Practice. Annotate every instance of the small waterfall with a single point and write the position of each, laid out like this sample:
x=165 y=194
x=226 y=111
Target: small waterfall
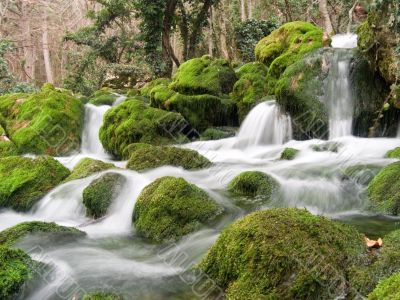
x=339 y=98
x=264 y=125
x=119 y=100
x=90 y=138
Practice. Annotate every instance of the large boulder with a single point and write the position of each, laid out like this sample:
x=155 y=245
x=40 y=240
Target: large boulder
x=23 y=180
x=134 y=122
x=286 y=45
x=100 y=194
x=170 y=208
x=105 y=96
x=87 y=167
x=384 y=190
x=152 y=157
x=48 y=231
x=250 y=88
x=283 y=254
x=48 y=122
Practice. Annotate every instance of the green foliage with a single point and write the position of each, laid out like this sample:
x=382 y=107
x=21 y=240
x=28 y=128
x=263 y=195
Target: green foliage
x=134 y=122
x=384 y=190
x=395 y=153
x=87 y=167
x=156 y=156
x=101 y=192
x=289 y=154
x=102 y=296
x=285 y=46
x=249 y=33
x=11 y=236
x=387 y=289
x=170 y=208
x=48 y=122
x=23 y=180
x=16 y=269
x=283 y=254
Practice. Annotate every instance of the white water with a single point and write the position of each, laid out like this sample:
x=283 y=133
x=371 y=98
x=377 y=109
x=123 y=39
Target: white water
x=345 y=41
x=264 y=125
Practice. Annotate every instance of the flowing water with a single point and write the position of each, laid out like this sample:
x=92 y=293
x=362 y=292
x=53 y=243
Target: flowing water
x=114 y=258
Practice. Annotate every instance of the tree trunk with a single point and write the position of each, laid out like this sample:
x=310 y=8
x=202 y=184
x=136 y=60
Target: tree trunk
x=243 y=10
x=46 y=51
x=250 y=8
x=323 y=8
x=351 y=12
x=28 y=46
x=168 y=54
x=210 y=35
x=224 y=45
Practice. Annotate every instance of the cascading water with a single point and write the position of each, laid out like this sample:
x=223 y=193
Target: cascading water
x=338 y=93
x=264 y=125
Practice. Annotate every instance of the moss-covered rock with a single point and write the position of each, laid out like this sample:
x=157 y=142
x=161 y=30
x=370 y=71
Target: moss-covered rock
x=289 y=154
x=11 y=236
x=134 y=122
x=105 y=96
x=217 y=133
x=283 y=254
x=146 y=90
x=102 y=296
x=128 y=150
x=361 y=174
x=48 y=122
x=156 y=156
x=101 y=192
x=16 y=269
x=384 y=190
x=327 y=147
x=87 y=167
x=204 y=75
x=256 y=187
x=286 y=45
x=395 y=153
x=387 y=289
x=7 y=147
x=170 y=208
x=250 y=88
x=23 y=181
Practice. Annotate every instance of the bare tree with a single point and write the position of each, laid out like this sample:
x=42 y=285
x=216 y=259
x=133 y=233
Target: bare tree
x=323 y=8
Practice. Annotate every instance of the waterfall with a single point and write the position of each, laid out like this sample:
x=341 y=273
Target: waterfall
x=90 y=138
x=264 y=125
x=338 y=95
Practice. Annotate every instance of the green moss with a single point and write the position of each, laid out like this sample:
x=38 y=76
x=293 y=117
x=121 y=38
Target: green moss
x=156 y=156
x=48 y=122
x=204 y=76
x=7 y=148
x=171 y=207
x=257 y=188
x=87 y=167
x=128 y=150
x=217 y=133
x=327 y=147
x=283 y=254
x=145 y=91
x=101 y=192
x=384 y=190
x=103 y=100
x=250 y=88
x=395 y=153
x=16 y=269
x=286 y=45
x=289 y=154
x=23 y=181
x=102 y=296
x=134 y=122
x=387 y=289
x=11 y=236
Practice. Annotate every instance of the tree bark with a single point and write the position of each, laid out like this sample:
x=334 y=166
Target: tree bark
x=168 y=54
x=210 y=35
x=243 y=10
x=351 y=12
x=323 y=8
x=46 y=51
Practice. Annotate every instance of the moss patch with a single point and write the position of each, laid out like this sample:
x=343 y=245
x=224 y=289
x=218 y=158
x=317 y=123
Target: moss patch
x=102 y=296
x=395 y=153
x=23 y=181
x=101 y=192
x=384 y=190
x=387 y=289
x=156 y=156
x=171 y=207
x=145 y=90
x=215 y=133
x=327 y=147
x=48 y=122
x=11 y=236
x=283 y=254
x=361 y=174
x=104 y=96
x=134 y=122
x=87 y=167
x=289 y=154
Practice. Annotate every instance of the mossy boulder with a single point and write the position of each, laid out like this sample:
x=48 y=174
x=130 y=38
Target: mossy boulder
x=286 y=45
x=289 y=154
x=87 y=167
x=102 y=296
x=51 y=231
x=250 y=88
x=395 y=153
x=134 y=122
x=23 y=180
x=156 y=156
x=387 y=289
x=47 y=122
x=146 y=89
x=204 y=75
x=217 y=133
x=283 y=254
x=7 y=147
x=384 y=190
x=104 y=96
x=170 y=208
x=16 y=270
x=101 y=192
x=256 y=187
